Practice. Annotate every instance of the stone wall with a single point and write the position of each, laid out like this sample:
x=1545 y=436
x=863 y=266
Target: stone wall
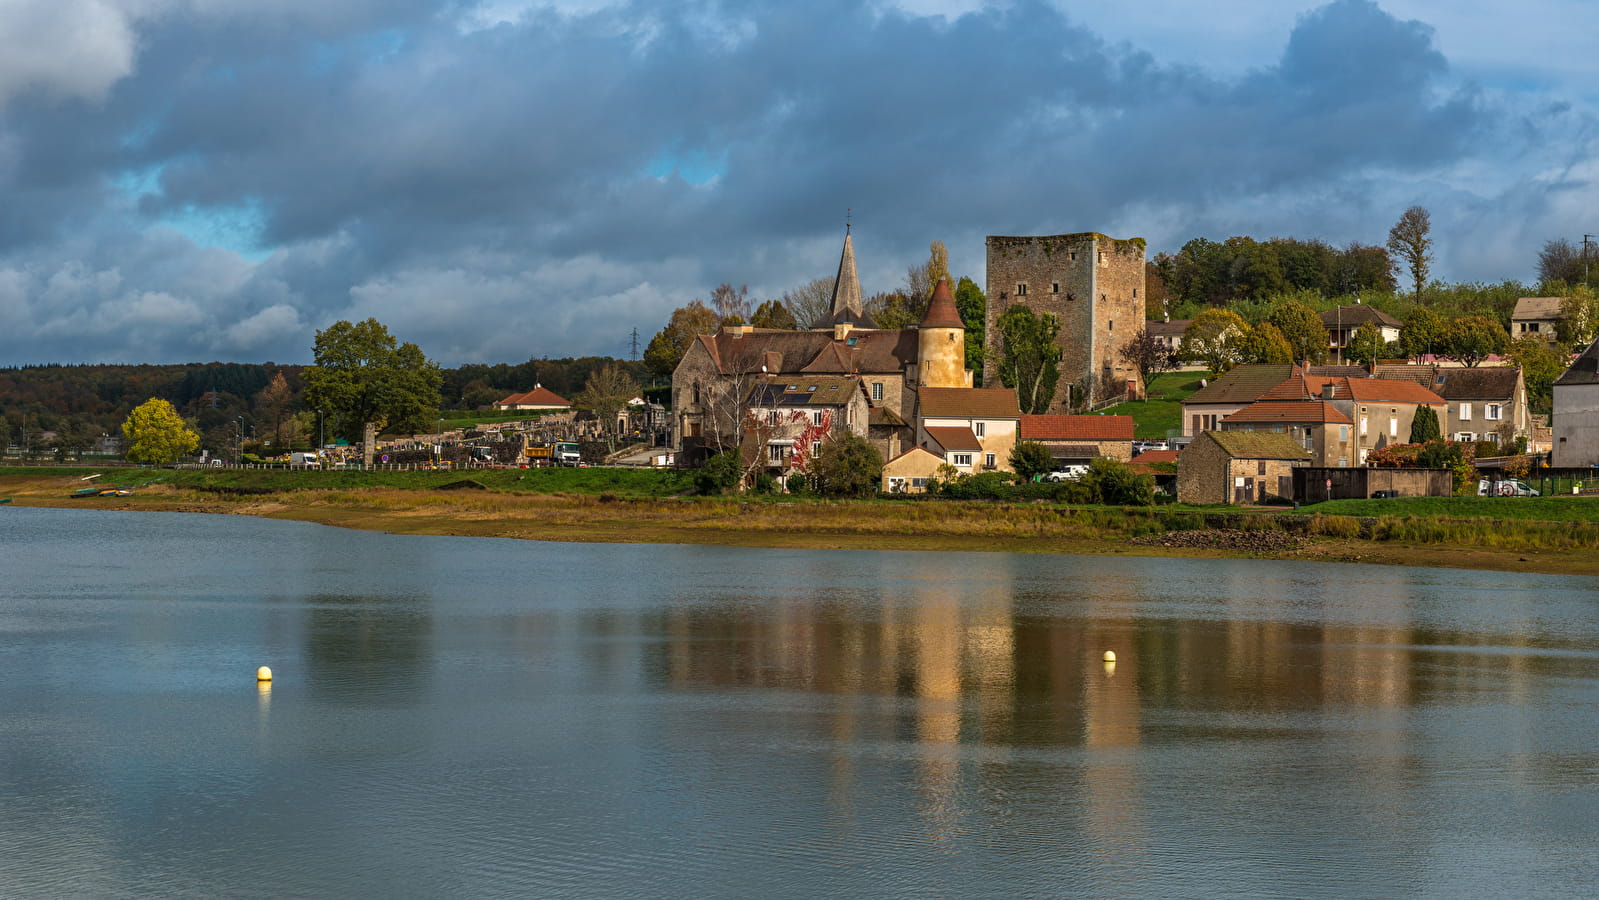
x=1093 y=284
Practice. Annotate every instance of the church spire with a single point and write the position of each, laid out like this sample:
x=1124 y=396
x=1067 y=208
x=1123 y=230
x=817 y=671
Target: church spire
x=847 y=286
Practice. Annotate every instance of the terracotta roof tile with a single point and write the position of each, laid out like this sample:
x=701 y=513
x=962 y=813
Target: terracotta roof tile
x=1076 y=428
x=954 y=438
x=968 y=403
x=1285 y=411
x=941 y=312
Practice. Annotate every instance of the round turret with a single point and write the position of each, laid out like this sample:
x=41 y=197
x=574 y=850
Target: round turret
x=941 y=343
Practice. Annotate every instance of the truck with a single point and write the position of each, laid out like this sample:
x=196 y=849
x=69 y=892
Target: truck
x=299 y=460
x=538 y=454
x=566 y=453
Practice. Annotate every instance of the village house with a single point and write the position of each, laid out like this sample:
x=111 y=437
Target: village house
x=1382 y=410
x=909 y=472
x=1229 y=392
x=1238 y=467
x=540 y=399
x=1343 y=321
x=790 y=417
x=1537 y=315
x=1316 y=425
x=1078 y=440
x=974 y=429
x=1168 y=332
x=1576 y=413
x=1486 y=403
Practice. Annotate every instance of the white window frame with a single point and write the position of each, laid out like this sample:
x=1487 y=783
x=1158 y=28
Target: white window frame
x=1363 y=430
x=961 y=459
x=777 y=452
x=1492 y=411
x=877 y=390
x=988 y=460
x=979 y=427
x=816 y=447
x=816 y=416
x=1465 y=412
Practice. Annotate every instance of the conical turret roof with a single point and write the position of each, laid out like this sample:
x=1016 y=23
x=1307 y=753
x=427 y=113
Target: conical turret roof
x=941 y=311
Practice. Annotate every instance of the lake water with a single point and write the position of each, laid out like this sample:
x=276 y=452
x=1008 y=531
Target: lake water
x=473 y=717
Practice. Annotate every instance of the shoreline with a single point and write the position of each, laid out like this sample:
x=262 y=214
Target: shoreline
x=820 y=525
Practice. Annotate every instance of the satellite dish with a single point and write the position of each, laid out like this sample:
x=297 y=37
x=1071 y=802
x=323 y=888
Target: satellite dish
x=763 y=370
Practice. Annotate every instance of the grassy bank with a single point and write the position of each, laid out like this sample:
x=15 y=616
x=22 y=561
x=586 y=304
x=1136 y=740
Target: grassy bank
x=1163 y=411
x=649 y=506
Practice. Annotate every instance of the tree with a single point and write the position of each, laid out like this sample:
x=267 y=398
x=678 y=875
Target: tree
x=666 y=349
x=1029 y=361
x=920 y=280
x=1473 y=339
x=1559 y=260
x=1578 y=311
x=1424 y=427
x=847 y=466
x=773 y=314
x=1540 y=365
x=810 y=303
x=1212 y=338
x=1264 y=344
x=1113 y=482
x=1148 y=354
x=1365 y=345
x=1423 y=333
x=272 y=406
x=367 y=381
x=1303 y=329
x=730 y=302
x=973 y=309
x=895 y=309
x=606 y=393
x=156 y=434
x=1031 y=460
x=1410 y=240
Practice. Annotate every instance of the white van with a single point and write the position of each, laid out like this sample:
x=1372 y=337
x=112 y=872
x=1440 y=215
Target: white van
x=304 y=461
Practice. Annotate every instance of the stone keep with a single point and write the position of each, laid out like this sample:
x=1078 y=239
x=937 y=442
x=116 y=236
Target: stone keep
x=1092 y=283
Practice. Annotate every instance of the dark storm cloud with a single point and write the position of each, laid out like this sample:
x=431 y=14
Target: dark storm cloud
x=494 y=193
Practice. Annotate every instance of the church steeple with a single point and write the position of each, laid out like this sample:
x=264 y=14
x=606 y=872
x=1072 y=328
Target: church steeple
x=847 y=286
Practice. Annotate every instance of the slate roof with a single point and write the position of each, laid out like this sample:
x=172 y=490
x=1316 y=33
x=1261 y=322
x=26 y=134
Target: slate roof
x=882 y=415
x=804 y=390
x=813 y=352
x=1244 y=384
x=969 y=403
x=1542 y=308
x=1258 y=445
x=1276 y=412
x=1356 y=316
x=1480 y=383
x=1076 y=428
x=954 y=438
x=846 y=285
x=1422 y=375
x=1173 y=328
x=1366 y=390
x=1584 y=371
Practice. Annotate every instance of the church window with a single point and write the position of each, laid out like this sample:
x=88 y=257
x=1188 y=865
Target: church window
x=1021 y=288
x=877 y=390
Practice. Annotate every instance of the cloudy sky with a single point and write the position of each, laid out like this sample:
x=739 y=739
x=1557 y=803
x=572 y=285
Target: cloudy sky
x=194 y=180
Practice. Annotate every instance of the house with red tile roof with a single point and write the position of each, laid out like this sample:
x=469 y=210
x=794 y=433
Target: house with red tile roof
x=974 y=429
x=1316 y=425
x=1077 y=440
x=1381 y=409
x=540 y=399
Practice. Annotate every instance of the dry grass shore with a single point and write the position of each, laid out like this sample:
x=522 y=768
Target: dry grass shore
x=862 y=525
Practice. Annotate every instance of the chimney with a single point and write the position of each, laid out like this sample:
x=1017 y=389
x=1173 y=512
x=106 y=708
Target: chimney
x=1327 y=391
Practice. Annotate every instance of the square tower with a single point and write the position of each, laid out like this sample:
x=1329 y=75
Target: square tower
x=1093 y=284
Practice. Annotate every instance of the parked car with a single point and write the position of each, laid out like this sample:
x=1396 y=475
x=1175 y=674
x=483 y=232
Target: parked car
x=1066 y=473
x=1141 y=446
x=1509 y=488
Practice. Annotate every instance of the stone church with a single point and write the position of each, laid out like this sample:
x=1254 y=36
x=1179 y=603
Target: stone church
x=786 y=391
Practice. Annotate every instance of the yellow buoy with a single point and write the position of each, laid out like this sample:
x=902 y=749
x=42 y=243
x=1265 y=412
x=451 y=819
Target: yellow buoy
x=263 y=674
x=1110 y=656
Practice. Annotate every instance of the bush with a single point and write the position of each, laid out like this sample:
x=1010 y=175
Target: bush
x=798 y=484
x=1031 y=460
x=1114 y=482
x=848 y=466
x=719 y=474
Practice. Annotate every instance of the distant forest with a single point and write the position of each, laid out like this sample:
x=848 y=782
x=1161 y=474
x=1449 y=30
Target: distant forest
x=67 y=408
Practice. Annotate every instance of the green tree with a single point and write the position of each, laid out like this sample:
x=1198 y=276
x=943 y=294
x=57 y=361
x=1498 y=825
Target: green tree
x=1212 y=338
x=847 y=466
x=688 y=322
x=367 y=381
x=1578 y=311
x=895 y=309
x=1365 y=345
x=606 y=394
x=719 y=474
x=1029 y=362
x=1540 y=365
x=1303 y=330
x=156 y=434
x=773 y=314
x=1031 y=460
x=1115 y=483
x=1264 y=344
x=973 y=309
x=1424 y=427
x=920 y=280
x=1410 y=240
x=1473 y=339
x=1423 y=333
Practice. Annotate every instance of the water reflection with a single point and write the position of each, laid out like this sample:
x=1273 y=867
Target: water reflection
x=368 y=650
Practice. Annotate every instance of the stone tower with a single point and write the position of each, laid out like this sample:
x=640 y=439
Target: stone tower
x=846 y=309
x=1093 y=284
x=941 y=343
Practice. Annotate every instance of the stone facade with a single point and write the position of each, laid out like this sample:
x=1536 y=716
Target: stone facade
x=1094 y=285
x=1234 y=467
